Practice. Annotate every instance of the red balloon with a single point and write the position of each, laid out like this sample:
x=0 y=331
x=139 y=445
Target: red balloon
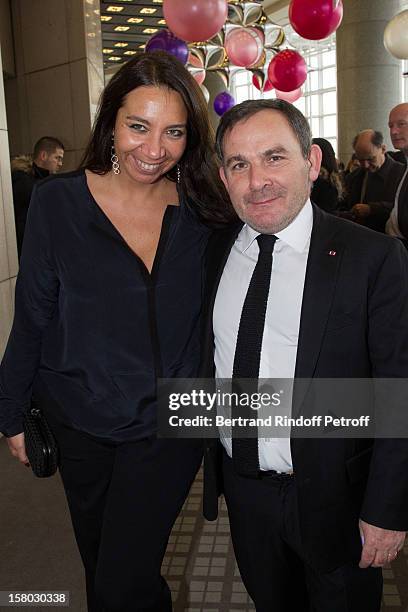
x=256 y=83
x=195 y=20
x=315 y=19
x=287 y=70
x=243 y=46
x=289 y=96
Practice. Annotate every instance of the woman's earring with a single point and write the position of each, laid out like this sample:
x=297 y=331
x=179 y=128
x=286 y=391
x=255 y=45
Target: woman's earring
x=115 y=161
x=178 y=174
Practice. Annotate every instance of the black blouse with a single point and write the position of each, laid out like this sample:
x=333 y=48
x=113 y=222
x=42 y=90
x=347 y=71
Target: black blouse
x=92 y=328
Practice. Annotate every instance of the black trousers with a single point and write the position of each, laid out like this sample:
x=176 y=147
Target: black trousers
x=124 y=500
x=266 y=537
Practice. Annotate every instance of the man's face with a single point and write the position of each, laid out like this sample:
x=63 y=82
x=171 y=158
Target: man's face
x=51 y=161
x=265 y=173
x=369 y=156
x=398 y=124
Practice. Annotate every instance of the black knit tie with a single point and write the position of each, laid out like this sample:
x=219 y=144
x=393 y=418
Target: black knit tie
x=248 y=355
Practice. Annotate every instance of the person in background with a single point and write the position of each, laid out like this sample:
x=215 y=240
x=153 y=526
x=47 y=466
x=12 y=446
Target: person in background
x=327 y=189
x=108 y=300
x=398 y=124
x=371 y=189
x=47 y=159
x=397 y=224
x=352 y=165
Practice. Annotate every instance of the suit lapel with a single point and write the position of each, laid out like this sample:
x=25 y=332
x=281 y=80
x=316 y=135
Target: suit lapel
x=325 y=254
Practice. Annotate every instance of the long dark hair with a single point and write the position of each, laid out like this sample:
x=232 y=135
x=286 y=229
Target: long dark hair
x=330 y=168
x=200 y=185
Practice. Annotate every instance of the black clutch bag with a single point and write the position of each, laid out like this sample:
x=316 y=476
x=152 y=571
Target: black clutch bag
x=40 y=443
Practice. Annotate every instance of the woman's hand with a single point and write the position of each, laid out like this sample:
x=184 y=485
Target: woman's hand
x=17 y=448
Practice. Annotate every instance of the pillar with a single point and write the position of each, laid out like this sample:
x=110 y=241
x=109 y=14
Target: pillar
x=58 y=74
x=368 y=77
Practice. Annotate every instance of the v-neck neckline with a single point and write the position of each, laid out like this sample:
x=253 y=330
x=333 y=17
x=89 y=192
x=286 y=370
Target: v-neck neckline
x=149 y=277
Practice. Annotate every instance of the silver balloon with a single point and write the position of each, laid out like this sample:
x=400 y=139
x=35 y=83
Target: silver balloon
x=206 y=93
x=396 y=36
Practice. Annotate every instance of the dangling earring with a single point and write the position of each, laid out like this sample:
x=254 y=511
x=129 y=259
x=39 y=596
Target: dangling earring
x=178 y=174
x=115 y=161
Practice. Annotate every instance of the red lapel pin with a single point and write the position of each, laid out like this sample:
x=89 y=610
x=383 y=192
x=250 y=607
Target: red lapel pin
x=332 y=253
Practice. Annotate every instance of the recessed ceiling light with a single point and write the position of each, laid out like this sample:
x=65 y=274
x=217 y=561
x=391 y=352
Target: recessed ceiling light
x=134 y=20
x=158 y=1
x=162 y=22
x=114 y=58
x=121 y=28
x=106 y=17
x=142 y=46
x=114 y=9
x=130 y=53
x=148 y=11
x=120 y=44
x=106 y=51
x=149 y=30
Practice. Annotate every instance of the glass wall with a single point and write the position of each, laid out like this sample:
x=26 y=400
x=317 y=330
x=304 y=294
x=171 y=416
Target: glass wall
x=319 y=100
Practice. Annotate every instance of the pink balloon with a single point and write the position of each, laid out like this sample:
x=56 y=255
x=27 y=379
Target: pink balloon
x=243 y=46
x=195 y=20
x=256 y=82
x=195 y=61
x=315 y=19
x=289 y=96
x=287 y=70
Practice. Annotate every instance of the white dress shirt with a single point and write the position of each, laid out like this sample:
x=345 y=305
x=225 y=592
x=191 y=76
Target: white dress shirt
x=282 y=320
x=391 y=227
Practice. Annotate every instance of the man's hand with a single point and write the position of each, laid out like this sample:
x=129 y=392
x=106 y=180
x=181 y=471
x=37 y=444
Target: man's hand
x=17 y=448
x=380 y=546
x=361 y=210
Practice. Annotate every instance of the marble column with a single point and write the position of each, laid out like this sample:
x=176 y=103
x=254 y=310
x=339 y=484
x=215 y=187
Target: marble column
x=58 y=74
x=8 y=249
x=368 y=77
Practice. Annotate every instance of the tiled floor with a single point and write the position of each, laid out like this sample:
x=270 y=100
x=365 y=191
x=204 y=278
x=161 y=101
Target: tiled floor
x=201 y=570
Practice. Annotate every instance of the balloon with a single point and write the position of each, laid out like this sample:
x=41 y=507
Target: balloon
x=315 y=19
x=195 y=20
x=223 y=102
x=260 y=82
x=198 y=64
x=206 y=93
x=287 y=70
x=244 y=46
x=396 y=36
x=166 y=41
x=289 y=96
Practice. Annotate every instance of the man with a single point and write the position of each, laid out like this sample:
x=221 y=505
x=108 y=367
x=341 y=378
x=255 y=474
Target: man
x=337 y=307
x=48 y=156
x=397 y=224
x=398 y=124
x=371 y=190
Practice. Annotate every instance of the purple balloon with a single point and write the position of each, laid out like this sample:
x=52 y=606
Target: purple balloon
x=223 y=102
x=166 y=41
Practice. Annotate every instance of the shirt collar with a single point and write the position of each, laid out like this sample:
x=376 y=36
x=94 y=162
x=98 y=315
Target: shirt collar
x=295 y=235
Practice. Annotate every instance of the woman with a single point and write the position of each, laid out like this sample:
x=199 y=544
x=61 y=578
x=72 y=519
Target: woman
x=108 y=299
x=327 y=190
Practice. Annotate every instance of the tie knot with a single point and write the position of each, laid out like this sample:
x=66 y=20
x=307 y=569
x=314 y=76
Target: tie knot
x=266 y=242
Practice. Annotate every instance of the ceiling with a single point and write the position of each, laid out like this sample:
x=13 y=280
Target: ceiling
x=137 y=20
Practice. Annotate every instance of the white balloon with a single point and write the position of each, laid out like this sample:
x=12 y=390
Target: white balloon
x=206 y=93
x=396 y=36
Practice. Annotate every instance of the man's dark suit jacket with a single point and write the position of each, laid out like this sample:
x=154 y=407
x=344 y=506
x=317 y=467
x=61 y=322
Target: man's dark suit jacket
x=380 y=193
x=354 y=324
x=398 y=156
